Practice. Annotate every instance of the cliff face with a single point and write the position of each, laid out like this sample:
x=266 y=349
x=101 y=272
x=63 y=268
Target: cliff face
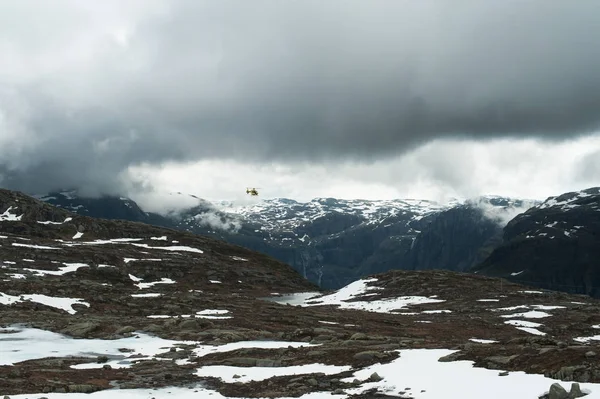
x=455 y=240
x=555 y=245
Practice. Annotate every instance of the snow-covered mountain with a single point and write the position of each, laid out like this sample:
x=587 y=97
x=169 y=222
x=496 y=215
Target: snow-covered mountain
x=283 y=213
x=332 y=242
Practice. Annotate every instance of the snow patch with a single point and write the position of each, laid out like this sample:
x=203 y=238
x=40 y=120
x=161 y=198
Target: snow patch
x=346 y=298
x=17 y=244
x=69 y=267
x=420 y=370
x=232 y=374
x=8 y=216
x=55 y=302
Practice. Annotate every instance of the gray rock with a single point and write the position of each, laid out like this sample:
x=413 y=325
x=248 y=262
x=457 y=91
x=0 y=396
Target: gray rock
x=557 y=392
x=367 y=355
x=154 y=328
x=504 y=360
x=321 y=338
x=575 y=391
x=80 y=329
x=82 y=388
x=125 y=330
x=451 y=357
x=267 y=363
x=323 y=331
x=189 y=325
x=240 y=361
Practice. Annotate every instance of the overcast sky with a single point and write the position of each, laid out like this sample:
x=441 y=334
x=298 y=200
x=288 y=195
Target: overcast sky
x=371 y=99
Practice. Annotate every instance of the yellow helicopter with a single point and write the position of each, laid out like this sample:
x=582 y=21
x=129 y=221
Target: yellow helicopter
x=251 y=191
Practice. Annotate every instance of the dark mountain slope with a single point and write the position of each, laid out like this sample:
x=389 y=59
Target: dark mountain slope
x=453 y=240
x=555 y=245
x=74 y=236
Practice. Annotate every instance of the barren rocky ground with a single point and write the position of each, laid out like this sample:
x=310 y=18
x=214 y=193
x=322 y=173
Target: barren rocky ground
x=218 y=305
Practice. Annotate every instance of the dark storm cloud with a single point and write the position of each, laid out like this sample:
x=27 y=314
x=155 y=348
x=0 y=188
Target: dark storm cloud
x=294 y=80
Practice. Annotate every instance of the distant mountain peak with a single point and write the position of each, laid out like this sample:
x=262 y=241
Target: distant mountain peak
x=572 y=199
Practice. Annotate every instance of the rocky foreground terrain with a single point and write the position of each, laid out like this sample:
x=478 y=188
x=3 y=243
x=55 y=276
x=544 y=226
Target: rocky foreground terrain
x=90 y=305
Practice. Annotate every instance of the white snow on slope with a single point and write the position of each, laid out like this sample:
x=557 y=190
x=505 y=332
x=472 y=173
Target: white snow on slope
x=232 y=374
x=527 y=326
x=101 y=242
x=127 y=260
x=427 y=378
x=31 y=343
x=587 y=339
x=69 y=267
x=148 y=295
x=349 y=296
x=142 y=285
x=8 y=216
x=213 y=314
x=567 y=201
x=532 y=314
x=172 y=248
x=51 y=222
x=55 y=302
x=297 y=299
x=192 y=392
x=204 y=350
x=17 y=244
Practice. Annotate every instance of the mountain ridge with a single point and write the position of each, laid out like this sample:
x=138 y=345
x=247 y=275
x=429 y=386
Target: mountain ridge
x=332 y=242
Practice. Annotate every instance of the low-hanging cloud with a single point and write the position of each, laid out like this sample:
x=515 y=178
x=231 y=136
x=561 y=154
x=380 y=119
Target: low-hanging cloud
x=99 y=88
x=501 y=214
x=227 y=223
